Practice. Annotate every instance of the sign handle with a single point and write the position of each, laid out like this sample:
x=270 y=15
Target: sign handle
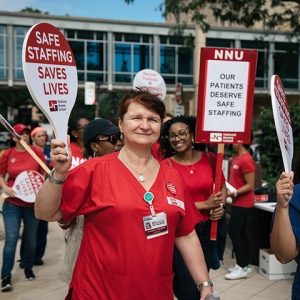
x=23 y=143
x=218 y=178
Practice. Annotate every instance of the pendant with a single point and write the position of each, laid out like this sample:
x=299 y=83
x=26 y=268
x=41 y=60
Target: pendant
x=191 y=172
x=142 y=178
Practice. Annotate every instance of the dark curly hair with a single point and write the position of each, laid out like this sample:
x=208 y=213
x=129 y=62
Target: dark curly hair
x=165 y=150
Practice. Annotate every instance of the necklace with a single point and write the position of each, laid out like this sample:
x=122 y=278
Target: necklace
x=191 y=170
x=141 y=178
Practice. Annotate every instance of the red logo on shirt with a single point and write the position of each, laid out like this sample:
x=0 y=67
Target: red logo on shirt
x=171 y=188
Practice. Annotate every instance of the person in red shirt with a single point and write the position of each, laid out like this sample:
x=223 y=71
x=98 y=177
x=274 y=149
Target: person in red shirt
x=242 y=173
x=14 y=161
x=119 y=194
x=196 y=168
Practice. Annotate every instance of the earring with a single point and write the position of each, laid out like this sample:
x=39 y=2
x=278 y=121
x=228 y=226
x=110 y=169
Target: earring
x=75 y=136
x=94 y=153
x=172 y=152
x=193 y=143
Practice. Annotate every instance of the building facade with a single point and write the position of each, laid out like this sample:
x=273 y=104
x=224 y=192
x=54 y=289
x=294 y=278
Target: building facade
x=111 y=52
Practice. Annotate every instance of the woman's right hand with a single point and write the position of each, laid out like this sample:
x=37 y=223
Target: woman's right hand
x=59 y=157
x=9 y=192
x=284 y=189
x=214 y=201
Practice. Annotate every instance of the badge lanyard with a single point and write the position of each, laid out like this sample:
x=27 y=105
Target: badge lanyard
x=149 y=197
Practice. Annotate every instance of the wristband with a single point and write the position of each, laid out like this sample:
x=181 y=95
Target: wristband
x=53 y=180
x=203 y=284
x=235 y=194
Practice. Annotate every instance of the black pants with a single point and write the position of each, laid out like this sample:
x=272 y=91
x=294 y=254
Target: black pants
x=183 y=284
x=238 y=233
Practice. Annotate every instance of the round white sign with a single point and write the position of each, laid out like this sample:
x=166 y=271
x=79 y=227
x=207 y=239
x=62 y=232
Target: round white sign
x=152 y=81
x=50 y=74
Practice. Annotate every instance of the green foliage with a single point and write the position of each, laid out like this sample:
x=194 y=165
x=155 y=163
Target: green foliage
x=32 y=10
x=241 y=12
x=271 y=159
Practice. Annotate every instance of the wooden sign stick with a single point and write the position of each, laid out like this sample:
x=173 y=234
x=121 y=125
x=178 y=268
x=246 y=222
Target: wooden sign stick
x=23 y=143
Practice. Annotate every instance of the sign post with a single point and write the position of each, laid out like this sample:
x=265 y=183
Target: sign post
x=225 y=102
x=283 y=122
x=178 y=93
x=51 y=75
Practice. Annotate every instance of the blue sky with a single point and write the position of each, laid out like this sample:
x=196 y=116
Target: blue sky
x=141 y=10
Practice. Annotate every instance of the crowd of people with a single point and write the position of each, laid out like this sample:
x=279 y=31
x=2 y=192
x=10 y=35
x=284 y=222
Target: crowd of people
x=154 y=222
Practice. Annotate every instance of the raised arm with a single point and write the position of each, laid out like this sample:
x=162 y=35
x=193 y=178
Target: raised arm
x=48 y=199
x=191 y=251
x=283 y=241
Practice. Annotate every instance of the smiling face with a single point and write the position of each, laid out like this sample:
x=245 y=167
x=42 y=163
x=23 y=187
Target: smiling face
x=180 y=137
x=140 y=125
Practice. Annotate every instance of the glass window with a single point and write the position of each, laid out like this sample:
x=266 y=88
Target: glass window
x=122 y=58
x=95 y=77
x=146 y=38
x=71 y=34
x=176 y=40
x=100 y=36
x=141 y=57
x=85 y=34
x=94 y=56
x=118 y=37
x=2 y=53
x=163 y=39
x=132 y=38
x=19 y=42
x=253 y=44
x=2 y=29
x=185 y=61
x=20 y=30
x=167 y=59
x=78 y=52
x=219 y=43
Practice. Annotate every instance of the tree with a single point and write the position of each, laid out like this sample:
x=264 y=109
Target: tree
x=271 y=159
x=32 y=10
x=272 y=14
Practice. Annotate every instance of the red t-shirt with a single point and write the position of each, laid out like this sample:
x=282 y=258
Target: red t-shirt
x=240 y=166
x=77 y=156
x=201 y=182
x=13 y=163
x=116 y=260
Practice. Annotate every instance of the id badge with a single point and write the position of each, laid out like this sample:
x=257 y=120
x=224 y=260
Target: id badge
x=155 y=226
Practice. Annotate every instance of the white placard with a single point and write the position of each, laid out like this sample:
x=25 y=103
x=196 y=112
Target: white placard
x=152 y=81
x=89 y=93
x=26 y=185
x=282 y=122
x=226 y=96
x=178 y=110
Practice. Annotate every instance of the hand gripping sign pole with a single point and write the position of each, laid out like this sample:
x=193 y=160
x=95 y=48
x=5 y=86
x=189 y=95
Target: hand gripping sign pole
x=283 y=122
x=23 y=143
x=51 y=75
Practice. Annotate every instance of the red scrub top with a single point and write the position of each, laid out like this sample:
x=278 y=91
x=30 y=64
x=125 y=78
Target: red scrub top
x=240 y=166
x=200 y=182
x=116 y=260
x=13 y=163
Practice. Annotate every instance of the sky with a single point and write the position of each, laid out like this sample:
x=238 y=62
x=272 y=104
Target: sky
x=141 y=10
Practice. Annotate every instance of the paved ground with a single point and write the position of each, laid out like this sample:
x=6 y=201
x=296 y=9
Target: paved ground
x=49 y=286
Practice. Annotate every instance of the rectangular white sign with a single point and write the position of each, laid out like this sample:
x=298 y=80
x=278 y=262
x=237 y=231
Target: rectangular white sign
x=89 y=93
x=226 y=95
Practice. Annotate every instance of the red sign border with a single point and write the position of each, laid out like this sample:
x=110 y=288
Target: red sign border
x=207 y=53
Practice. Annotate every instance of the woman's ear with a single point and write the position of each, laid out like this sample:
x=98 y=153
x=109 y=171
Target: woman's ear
x=93 y=146
x=120 y=123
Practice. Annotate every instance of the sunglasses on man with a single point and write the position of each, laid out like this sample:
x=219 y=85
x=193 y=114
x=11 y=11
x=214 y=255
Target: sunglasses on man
x=113 y=138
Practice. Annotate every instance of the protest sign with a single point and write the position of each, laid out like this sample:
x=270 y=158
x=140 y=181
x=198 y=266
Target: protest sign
x=50 y=74
x=26 y=185
x=283 y=122
x=225 y=102
x=152 y=81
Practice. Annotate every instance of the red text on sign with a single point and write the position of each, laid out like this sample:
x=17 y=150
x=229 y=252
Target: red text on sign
x=51 y=88
x=52 y=73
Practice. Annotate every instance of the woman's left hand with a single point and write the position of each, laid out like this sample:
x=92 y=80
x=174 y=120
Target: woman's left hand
x=216 y=213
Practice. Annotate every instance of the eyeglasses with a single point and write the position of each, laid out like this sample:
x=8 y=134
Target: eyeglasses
x=181 y=135
x=113 y=139
x=79 y=128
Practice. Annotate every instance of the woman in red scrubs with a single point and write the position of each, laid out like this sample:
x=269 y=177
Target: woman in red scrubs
x=119 y=194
